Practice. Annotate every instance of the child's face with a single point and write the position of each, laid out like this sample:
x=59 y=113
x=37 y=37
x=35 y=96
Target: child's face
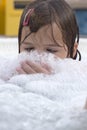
x=42 y=41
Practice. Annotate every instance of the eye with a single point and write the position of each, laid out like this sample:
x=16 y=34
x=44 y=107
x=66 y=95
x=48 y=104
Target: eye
x=29 y=49
x=51 y=50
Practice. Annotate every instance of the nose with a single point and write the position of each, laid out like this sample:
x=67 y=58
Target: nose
x=40 y=51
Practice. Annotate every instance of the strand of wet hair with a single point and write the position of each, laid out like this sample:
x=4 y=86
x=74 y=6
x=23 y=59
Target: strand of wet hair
x=26 y=37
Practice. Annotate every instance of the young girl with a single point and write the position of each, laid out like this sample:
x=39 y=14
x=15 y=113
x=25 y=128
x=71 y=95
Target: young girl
x=48 y=26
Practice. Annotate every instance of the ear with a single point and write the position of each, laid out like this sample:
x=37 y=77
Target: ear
x=75 y=48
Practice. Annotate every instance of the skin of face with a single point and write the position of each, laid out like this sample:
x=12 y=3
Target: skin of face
x=42 y=41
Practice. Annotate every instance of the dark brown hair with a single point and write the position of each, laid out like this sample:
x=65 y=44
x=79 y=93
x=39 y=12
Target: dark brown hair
x=49 y=11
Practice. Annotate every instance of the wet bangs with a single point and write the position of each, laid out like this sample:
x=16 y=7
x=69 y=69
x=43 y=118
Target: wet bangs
x=39 y=17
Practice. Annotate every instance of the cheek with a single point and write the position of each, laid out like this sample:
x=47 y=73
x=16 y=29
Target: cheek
x=62 y=53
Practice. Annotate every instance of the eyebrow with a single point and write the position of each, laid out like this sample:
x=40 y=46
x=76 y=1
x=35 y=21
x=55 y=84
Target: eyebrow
x=51 y=45
x=30 y=43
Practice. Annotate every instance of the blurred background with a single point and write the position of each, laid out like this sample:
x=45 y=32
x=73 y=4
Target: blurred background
x=80 y=8
x=10 y=12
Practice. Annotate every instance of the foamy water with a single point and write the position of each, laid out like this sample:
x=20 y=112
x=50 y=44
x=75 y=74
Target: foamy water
x=40 y=101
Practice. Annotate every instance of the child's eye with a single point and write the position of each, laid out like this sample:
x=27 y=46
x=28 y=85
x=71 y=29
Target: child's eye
x=29 y=49
x=51 y=50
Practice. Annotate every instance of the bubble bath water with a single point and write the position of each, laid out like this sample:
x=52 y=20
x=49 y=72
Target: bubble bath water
x=40 y=101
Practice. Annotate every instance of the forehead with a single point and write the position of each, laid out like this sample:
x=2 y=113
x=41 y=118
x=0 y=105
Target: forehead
x=46 y=32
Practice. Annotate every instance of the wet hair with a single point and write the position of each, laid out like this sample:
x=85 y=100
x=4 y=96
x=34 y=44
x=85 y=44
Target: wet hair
x=44 y=12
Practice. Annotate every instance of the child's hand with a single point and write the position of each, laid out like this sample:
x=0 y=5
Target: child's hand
x=28 y=67
x=85 y=104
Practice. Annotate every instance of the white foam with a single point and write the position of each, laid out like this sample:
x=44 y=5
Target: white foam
x=40 y=101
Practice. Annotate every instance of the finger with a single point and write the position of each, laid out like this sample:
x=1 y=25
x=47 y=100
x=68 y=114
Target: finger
x=27 y=68
x=20 y=71
x=47 y=67
x=37 y=68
